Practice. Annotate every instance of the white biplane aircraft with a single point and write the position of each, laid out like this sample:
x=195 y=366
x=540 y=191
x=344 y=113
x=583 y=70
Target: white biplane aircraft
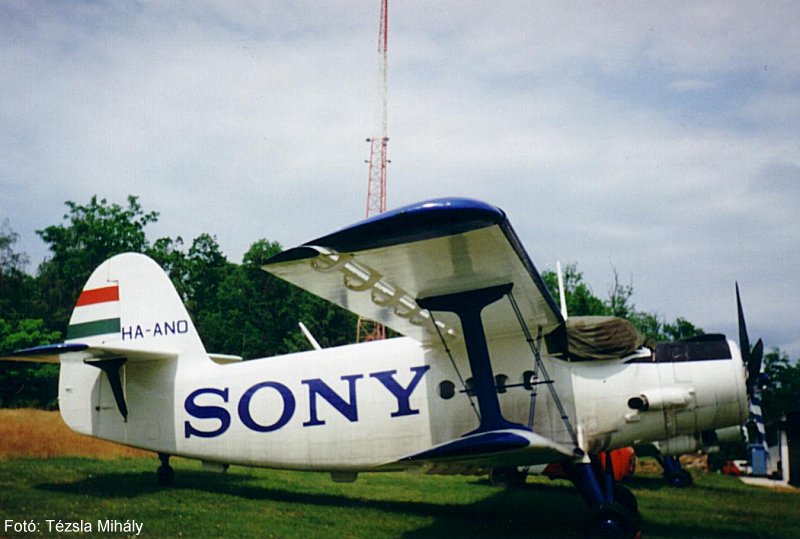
x=487 y=374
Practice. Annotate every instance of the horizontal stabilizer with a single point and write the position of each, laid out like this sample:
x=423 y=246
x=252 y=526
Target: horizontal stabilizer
x=52 y=353
x=49 y=353
x=132 y=353
x=109 y=359
x=225 y=359
x=508 y=447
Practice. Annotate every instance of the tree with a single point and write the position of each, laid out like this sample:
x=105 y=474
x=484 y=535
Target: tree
x=581 y=301
x=92 y=234
x=170 y=256
x=287 y=305
x=619 y=299
x=18 y=298
x=27 y=384
x=236 y=308
x=268 y=309
x=781 y=391
x=681 y=329
x=205 y=268
x=272 y=301
x=22 y=384
x=10 y=261
x=40 y=307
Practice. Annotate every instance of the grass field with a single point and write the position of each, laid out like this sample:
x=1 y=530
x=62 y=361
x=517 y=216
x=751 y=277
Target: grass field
x=266 y=503
x=39 y=433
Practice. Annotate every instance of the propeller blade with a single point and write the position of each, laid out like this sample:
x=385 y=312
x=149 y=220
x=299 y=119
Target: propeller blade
x=744 y=341
x=754 y=366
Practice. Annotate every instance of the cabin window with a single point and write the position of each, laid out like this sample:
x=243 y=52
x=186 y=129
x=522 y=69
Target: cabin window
x=447 y=389
x=500 y=383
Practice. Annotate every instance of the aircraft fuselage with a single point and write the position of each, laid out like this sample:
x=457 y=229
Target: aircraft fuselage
x=368 y=406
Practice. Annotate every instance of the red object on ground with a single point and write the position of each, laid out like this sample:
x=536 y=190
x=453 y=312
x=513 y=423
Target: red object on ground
x=731 y=468
x=624 y=461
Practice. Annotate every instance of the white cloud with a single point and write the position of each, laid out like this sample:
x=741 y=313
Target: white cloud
x=692 y=85
x=661 y=140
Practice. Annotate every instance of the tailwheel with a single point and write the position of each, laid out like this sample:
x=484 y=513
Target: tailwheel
x=165 y=473
x=613 y=520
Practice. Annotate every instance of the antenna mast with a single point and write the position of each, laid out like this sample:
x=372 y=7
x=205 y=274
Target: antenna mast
x=376 y=182
x=376 y=187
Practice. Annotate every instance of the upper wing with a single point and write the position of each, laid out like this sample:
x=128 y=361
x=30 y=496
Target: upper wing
x=378 y=268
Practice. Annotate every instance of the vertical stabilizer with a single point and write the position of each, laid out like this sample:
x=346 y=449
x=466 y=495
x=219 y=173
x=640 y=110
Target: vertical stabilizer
x=129 y=302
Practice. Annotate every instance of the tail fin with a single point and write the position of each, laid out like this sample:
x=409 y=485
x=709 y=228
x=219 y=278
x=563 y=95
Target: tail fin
x=130 y=303
x=127 y=313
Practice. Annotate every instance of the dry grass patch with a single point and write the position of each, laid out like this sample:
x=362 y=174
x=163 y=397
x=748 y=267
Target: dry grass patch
x=39 y=433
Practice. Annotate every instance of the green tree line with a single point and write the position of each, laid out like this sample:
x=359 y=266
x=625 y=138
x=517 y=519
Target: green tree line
x=236 y=307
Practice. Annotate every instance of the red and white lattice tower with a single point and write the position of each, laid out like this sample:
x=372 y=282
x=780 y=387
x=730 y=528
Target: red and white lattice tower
x=376 y=183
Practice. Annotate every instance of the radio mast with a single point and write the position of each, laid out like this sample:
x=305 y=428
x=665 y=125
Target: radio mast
x=368 y=330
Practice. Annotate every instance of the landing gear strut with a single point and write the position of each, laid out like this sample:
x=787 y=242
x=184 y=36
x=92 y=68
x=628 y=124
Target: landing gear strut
x=613 y=511
x=674 y=475
x=165 y=473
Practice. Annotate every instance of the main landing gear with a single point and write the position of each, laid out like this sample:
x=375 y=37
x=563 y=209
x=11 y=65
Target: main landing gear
x=613 y=511
x=674 y=474
x=165 y=473
x=613 y=508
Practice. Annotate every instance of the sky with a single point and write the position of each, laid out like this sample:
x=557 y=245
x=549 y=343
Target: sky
x=658 y=140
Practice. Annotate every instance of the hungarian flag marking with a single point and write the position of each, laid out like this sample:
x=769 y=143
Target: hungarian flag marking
x=98 y=295
x=103 y=326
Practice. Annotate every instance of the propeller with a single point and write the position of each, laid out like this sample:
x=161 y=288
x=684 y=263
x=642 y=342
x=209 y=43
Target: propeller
x=752 y=357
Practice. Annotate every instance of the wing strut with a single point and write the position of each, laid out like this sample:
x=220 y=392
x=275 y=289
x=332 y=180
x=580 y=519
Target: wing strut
x=539 y=364
x=449 y=353
x=468 y=306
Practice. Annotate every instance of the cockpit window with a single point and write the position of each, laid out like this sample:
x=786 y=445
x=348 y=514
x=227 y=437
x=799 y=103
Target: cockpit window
x=704 y=348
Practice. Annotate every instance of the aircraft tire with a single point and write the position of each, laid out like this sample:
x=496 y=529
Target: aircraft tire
x=627 y=499
x=509 y=477
x=165 y=475
x=613 y=521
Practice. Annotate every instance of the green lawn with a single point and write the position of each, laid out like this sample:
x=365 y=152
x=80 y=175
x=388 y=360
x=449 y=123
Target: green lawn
x=265 y=503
